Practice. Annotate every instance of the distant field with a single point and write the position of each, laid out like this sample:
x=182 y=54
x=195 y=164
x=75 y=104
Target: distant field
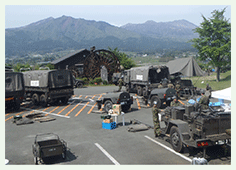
x=225 y=81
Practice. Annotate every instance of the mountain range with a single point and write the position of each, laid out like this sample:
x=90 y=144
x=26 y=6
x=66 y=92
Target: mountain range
x=54 y=34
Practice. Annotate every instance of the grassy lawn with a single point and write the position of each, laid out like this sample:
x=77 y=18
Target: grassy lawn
x=225 y=81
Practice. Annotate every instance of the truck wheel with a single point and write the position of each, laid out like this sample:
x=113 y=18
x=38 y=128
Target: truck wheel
x=157 y=99
x=175 y=139
x=17 y=105
x=63 y=155
x=139 y=91
x=125 y=108
x=35 y=99
x=107 y=105
x=145 y=91
x=36 y=160
x=64 y=100
x=43 y=100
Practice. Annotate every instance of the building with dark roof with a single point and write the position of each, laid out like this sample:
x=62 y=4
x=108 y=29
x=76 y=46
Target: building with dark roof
x=71 y=59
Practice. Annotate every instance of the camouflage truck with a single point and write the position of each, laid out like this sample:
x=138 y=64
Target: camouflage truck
x=14 y=89
x=143 y=79
x=189 y=126
x=48 y=86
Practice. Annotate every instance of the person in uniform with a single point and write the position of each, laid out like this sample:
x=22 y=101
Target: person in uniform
x=170 y=85
x=175 y=102
x=177 y=89
x=208 y=89
x=156 y=123
x=160 y=85
x=120 y=84
x=204 y=101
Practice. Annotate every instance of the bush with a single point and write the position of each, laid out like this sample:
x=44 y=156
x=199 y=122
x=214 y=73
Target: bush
x=105 y=82
x=97 y=80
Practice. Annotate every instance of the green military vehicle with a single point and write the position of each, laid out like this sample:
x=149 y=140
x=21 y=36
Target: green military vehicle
x=144 y=79
x=160 y=96
x=189 y=126
x=48 y=86
x=14 y=89
x=122 y=98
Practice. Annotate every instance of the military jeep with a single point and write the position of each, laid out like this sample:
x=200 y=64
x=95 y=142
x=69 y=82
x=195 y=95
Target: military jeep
x=122 y=98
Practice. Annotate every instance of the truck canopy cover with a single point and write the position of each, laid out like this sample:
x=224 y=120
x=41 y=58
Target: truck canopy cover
x=48 y=78
x=149 y=73
x=187 y=66
x=13 y=81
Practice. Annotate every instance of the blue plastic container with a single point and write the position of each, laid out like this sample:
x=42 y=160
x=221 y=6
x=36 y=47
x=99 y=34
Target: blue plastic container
x=109 y=126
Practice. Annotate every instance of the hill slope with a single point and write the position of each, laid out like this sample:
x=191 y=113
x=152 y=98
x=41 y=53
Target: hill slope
x=180 y=29
x=69 y=33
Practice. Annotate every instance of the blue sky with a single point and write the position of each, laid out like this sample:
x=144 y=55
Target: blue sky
x=21 y=15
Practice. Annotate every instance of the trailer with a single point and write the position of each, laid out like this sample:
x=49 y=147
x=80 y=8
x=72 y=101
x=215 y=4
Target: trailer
x=48 y=145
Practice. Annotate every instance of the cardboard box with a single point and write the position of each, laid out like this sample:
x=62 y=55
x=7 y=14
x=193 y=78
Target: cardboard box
x=108 y=120
x=116 y=108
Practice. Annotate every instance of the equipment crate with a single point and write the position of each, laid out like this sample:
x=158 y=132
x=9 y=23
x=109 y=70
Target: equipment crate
x=109 y=126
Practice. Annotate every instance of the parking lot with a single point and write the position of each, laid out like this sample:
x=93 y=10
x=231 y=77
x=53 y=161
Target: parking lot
x=80 y=125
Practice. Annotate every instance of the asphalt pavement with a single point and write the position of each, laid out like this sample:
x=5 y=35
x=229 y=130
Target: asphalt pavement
x=79 y=123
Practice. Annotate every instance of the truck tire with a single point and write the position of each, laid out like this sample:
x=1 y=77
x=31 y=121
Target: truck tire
x=175 y=139
x=107 y=105
x=35 y=99
x=36 y=162
x=157 y=99
x=139 y=91
x=145 y=91
x=64 y=100
x=43 y=100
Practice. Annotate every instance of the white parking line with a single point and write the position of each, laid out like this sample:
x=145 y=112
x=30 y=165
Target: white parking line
x=107 y=154
x=47 y=113
x=169 y=149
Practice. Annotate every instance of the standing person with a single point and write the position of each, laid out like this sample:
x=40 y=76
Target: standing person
x=120 y=83
x=156 y=123
x=177 y=88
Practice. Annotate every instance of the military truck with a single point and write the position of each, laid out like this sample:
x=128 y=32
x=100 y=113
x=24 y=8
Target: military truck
x=191 y=127
x=122 y=98
x=14 y=89
x=143 y=79
x=48 y=86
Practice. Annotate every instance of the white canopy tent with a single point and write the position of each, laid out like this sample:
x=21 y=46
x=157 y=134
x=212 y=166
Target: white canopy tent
x=222 y=94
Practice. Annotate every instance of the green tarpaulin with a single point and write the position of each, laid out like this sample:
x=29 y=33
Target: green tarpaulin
x=187 y=66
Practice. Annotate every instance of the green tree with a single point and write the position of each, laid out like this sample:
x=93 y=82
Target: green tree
x=125 y=61
x=214 y=42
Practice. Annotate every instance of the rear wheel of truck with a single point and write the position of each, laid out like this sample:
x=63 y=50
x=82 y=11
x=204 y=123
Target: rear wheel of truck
x=36 y=160
x=145 y=91
x=107 y=105
x=64 y=100
x=139 y=91
x=157 y=99
x=35 y=99
x=43 y=100
x=175 y=139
